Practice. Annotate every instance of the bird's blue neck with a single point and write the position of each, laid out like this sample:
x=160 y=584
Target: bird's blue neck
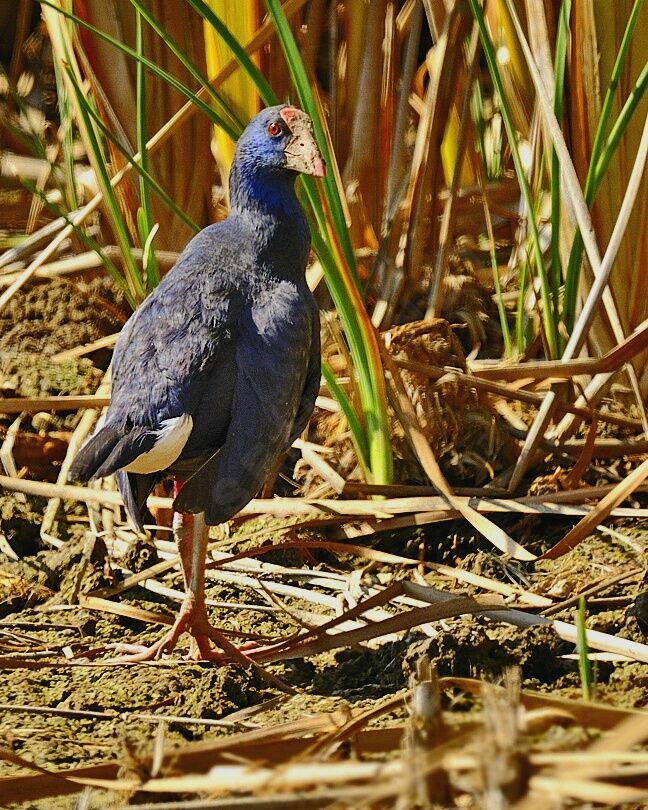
x=270 y=193
x=266 y=205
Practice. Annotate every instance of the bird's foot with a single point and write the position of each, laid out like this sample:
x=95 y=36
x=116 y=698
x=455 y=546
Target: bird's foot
x=201 y=648
x=134 y=653
x=192 y=618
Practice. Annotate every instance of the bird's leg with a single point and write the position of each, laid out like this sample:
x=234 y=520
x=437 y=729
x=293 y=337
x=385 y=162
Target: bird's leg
x=201 y=630
x=195 y=590
x=192 y=537
x=191 y=548
x=183 y=532
x=198 y=624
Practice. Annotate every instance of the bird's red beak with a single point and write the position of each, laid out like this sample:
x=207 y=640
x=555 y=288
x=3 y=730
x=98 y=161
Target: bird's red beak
x=302 y=152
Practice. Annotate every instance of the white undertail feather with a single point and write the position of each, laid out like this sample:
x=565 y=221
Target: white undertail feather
x=100 y=422
x=171 y=438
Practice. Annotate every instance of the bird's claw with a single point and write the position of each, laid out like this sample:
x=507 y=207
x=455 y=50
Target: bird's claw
x=191 y=620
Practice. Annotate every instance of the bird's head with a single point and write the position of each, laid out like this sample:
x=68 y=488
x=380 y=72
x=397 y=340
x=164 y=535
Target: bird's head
x=280 y=139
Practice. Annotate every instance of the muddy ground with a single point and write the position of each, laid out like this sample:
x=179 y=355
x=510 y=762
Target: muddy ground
x=62 y=646
x=35 y=596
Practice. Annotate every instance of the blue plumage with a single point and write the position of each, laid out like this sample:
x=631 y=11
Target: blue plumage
x=226 y=349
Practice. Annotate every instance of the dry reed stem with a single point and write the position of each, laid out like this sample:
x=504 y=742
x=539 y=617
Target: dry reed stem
x=612 y=250
x=407 y=620
x=425 y=164
x=574 y=196
x=106 y=342
x=459 y=574
x=321 y=467
x=421 y=506
x=405 y=410
x=62 y=403
x=601 y=269
x=479 y=380
x=122 y=609
x=600 y=512
x=566 y=368
x=71 y=265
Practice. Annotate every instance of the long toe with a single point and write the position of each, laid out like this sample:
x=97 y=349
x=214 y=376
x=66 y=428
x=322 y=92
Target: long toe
x=201 y=650
x=206 y=643
x=138 y=653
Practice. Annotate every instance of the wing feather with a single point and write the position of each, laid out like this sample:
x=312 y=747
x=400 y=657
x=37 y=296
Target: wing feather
x=267 y=394
x=164 y=362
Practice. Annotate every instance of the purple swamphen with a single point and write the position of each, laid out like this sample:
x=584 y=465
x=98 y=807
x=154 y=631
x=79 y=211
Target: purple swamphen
x=217 y=372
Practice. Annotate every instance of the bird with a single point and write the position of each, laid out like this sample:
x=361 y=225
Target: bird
x=216 y=373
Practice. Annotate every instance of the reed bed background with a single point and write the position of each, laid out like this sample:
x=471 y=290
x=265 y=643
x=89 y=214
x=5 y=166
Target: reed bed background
x=480 y=444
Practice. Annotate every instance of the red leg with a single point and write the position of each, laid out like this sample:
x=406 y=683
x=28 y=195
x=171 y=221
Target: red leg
x=201 y=630
x=192 y=536
x=183 y=531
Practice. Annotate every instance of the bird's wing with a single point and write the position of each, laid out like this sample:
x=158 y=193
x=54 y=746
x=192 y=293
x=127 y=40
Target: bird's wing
x=171 y=345
x=267 y=394
x=163 y=362
x=312 y=383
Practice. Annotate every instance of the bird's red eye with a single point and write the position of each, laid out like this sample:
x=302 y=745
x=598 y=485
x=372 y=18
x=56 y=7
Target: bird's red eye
x=274 y=129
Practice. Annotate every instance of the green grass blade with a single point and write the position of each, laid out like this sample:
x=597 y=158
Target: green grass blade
x=501 y=309
x=520 y=315
x=309 y=104
x=620 y=125
x=365 y=353
x=477 y=109
x=268 y=96
x=333 y=246
x=144 y=173
x=120 y=230
x=238 y=51
x=497 y=283
x=549 y=316
x=234 y=121
x=602 y=152
x=67 y=139
x=584 y=664
x=615 y=77
x=357 y=433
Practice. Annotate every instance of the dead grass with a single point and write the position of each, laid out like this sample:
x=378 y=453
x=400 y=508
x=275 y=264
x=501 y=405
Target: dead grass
x=419 y=666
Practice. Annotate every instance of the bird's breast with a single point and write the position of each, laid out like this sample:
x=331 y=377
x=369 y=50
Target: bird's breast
x=280 y=312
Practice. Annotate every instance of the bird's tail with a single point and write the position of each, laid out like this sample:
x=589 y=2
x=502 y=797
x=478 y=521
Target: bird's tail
x=135 y=489
x=90 y=461
x=106 y=452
